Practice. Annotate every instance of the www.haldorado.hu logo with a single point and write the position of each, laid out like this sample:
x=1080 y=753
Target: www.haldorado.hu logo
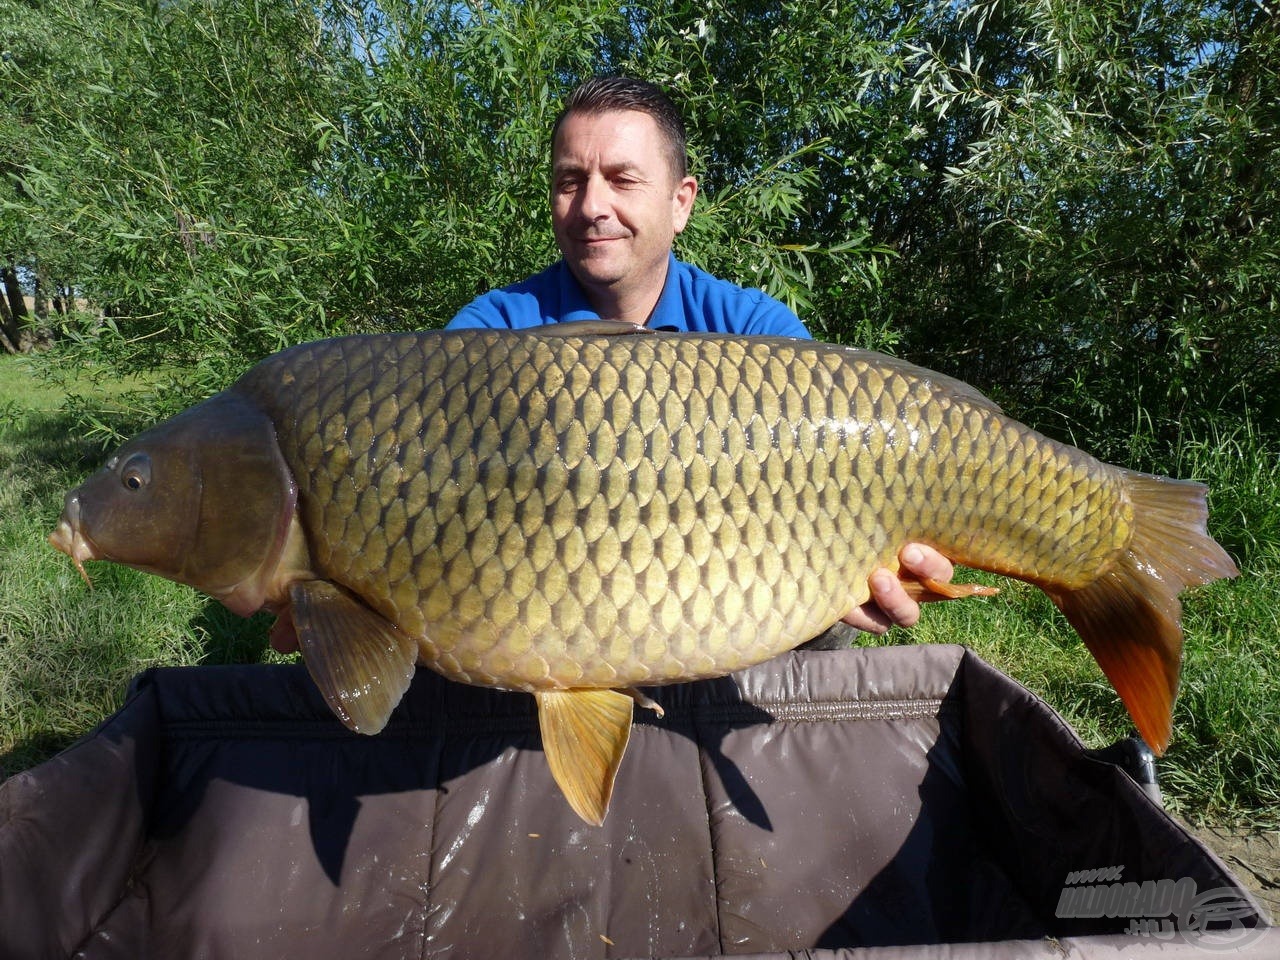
x=1161 y=909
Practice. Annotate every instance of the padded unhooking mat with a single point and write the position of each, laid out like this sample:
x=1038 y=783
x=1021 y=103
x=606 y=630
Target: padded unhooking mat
x=828 y=803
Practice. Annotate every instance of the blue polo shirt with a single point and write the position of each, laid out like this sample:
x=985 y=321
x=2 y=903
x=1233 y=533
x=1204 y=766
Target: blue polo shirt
x=692 y=300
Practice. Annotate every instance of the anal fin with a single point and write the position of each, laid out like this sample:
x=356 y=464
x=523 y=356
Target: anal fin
x=361 y=662
x=584 y=735
x=926 y=590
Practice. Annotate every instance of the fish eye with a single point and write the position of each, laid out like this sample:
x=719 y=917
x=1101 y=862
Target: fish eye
x=136 y=472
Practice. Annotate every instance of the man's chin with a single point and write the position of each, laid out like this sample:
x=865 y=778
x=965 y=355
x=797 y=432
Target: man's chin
x=596 y=271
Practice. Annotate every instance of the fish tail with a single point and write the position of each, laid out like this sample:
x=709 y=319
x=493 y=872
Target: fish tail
x=1130 y=617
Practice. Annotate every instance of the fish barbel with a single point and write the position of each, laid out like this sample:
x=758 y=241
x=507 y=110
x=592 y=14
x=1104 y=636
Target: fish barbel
x=576 y=512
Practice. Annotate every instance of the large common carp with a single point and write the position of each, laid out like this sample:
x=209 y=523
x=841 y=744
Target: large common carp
x=575 y=512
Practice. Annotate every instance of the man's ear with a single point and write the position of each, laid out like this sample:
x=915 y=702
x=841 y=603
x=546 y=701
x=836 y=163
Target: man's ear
x=682 y=202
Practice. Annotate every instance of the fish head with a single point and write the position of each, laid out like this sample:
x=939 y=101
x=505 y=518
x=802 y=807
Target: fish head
x=204 y=499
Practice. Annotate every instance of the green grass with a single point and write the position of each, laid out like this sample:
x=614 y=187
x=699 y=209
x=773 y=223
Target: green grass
x=67 y=652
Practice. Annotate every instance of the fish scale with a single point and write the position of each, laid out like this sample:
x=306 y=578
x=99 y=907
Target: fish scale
x=577 y=512
x=587 y=503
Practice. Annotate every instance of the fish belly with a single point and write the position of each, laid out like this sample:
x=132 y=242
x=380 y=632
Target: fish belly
x=559 y=512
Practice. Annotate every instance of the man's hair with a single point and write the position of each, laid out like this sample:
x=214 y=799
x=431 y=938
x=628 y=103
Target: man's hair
x=609 y=94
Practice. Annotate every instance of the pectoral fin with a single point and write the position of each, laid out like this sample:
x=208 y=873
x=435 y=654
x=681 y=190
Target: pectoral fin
x=361 y=662
x=584 y=735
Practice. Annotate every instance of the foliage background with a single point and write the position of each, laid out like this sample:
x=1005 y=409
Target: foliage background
x=1072 y=205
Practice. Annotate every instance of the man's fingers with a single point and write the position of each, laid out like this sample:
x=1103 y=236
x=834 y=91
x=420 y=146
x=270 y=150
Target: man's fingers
x=925 y=562
x=890 y=604
x=868 y=618
x=888 y=594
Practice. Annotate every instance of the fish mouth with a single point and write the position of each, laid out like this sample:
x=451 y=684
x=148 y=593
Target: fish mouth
x=69 y=538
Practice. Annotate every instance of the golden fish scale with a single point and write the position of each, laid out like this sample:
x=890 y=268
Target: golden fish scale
x=611 y=511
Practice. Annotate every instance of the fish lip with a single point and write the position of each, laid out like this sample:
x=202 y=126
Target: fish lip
x=68 y=537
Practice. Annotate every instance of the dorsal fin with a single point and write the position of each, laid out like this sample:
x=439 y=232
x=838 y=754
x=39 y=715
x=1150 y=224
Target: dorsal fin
x=590 y=328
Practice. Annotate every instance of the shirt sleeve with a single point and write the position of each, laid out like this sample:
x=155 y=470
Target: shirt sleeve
x=480 y=313
x=774 y=319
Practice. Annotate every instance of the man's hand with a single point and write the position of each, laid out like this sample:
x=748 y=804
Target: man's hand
x=889 y=604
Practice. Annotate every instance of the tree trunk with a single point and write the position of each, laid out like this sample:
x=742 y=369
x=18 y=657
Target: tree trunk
x=11 y=319
x=8 y=329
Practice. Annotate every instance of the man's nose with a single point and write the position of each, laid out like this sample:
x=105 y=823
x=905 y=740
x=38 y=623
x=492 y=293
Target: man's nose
x=595 y=199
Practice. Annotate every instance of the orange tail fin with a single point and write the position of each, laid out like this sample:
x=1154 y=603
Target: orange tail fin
x=1130 y=618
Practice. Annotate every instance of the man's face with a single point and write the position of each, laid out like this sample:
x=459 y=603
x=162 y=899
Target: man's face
x=616 y=204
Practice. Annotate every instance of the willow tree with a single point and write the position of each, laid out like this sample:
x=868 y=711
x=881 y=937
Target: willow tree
x=1107 y=246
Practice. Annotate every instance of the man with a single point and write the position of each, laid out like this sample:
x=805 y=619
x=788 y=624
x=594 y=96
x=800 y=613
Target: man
x=620 y=193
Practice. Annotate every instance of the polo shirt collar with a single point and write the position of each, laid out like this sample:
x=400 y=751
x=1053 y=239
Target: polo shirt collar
x=667 y=312
x=573 y=301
